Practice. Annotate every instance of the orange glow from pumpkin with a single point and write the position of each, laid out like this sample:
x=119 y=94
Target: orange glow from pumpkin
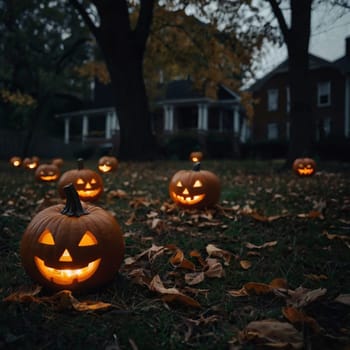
x=185 y=197
x=104 y=168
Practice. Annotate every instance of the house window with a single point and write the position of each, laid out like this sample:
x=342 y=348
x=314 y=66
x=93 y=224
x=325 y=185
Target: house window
x=324 y=94
x=272 y=131
x=272 y=100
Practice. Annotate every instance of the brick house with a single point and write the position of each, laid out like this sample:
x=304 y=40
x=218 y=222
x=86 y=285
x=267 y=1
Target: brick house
x=330 y=82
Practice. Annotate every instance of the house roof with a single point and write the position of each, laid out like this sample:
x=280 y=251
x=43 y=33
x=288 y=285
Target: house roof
x=315 y=62
x=184 y=92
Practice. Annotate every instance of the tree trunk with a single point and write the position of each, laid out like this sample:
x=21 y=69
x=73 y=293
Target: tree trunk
x=302 y=128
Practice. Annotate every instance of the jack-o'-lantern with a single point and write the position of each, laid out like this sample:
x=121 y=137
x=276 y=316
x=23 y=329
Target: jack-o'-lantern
x=31 y=163
x=72 y=246
x=304 y=166
x=107 y=164
x=87 y=182
x=196 y=156
x=195 y=188
x=58 y=162
x=47 y=173
x=16 y=161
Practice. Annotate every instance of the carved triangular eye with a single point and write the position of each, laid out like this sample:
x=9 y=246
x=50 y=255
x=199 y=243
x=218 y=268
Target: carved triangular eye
x=80 y=181
x=88 y=239
x=198 y=183
x=93 y=181
x=46 y=238
x=179 y=184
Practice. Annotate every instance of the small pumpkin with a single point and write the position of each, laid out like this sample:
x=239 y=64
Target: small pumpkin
x=88 y=183
x=195 y=188
x=31 y=163
x=58 y=162
x=304 y=166
x=72 y=246
x=107 y=164
x=196 y=156
x=16 y=161
x=47 y=173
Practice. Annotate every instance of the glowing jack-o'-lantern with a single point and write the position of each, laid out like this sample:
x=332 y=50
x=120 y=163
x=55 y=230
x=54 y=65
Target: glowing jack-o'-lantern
x=195 y=188
x=72 y=246
x=107 y=164
x=31 y=163
x=304 y=166
x=47 y=173
x=88 y=183
x=16 y=161
x=196 y=156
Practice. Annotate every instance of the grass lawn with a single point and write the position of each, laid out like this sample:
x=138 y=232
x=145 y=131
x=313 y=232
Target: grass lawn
x=268 y=267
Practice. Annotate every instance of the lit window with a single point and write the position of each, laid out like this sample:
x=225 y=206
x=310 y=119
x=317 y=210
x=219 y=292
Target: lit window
x=272 y=100
x=324 y=94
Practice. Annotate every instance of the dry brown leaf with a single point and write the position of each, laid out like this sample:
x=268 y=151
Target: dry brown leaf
x=213 y=268
x=171 y=294
x=312 y=214
x=264 y=245
x=178 y=260
x=257 y=288
x=196 y=254
x=24 y=296
x=131 y=219
x=279 y=283
x=264 y=218
x=272 y=333
x=314 y=277
x=343 y=298
x=214 y=251
x=194 y=278
x=331 y=236
x=116 y=194
x=245 y=264
x=302 y=296
x=296 y=316
x=238 y=293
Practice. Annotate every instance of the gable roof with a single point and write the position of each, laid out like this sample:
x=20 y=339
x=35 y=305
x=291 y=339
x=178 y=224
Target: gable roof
x=315 y=62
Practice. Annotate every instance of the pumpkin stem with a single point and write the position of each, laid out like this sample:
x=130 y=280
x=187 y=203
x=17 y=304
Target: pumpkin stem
x=80 y=163
x=196 y=166
x=73 y=205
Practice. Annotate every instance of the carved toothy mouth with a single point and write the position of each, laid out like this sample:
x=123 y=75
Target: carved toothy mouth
x=189 y=200
x=66 y=276
x=105 y=168
x=88 y=193
x=305 y=171
x=48 y=178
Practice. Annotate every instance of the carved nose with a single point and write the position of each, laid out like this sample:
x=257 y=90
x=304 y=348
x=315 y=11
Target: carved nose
x=185 y=191
x=65 y=257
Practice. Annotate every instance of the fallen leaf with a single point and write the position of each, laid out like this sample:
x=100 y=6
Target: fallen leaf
x=296 y=316
x=264 y=245
x=245 y=264
x=272 y=333
x=194 y=278
x=214 y=251
x=214 y=268
x=343 y=298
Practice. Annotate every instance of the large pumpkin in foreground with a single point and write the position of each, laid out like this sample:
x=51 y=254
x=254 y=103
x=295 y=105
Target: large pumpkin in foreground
x=72 y=246
x=304 y=166
x=195 y=189
x=87 y=182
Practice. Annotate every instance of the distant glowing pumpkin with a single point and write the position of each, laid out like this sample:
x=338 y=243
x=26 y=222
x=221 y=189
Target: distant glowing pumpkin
x=107 y=164
x=72 y=246
x=304 y=166
x=16 y=161
x=47 y=173
x=195 y=188
x=87 y=182
x=31 y=163
x=196 y=156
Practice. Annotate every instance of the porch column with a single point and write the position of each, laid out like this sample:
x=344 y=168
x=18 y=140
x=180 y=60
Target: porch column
x=66 y=130
x=235 y=120
x=202 y=120
x=85 y=128
x=347 y=107
x=169 y=118
x=108 y=126
x=221 y=121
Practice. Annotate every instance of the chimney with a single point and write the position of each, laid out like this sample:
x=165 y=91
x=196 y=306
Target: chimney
x=347 y=46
